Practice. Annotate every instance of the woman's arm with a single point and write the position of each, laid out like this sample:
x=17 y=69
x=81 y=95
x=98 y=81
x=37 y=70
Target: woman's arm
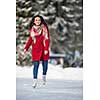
x=46 y=41
x=28 y=43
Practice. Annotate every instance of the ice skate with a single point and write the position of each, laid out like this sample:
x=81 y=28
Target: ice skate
x=44 y=79
x=34 y=83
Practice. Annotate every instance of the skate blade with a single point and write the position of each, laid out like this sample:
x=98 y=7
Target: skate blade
x=34 y=86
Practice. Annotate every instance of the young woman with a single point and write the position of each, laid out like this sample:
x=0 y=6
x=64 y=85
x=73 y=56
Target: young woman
x=39 y=39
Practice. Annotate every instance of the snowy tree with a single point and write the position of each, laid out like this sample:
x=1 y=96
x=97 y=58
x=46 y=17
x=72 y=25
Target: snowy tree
x=65 y=21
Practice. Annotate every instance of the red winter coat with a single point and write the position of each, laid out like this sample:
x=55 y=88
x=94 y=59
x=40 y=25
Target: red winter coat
x=41 y=44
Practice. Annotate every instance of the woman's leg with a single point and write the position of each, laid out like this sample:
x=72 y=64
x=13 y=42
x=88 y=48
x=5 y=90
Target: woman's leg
x=35 y=73
x=45 y=66
x=35 y=69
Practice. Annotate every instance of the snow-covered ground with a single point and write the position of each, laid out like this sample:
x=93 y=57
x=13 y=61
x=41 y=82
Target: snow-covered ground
x=54 y=72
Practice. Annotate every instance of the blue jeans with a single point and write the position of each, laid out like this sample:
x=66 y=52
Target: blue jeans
x=36 y=66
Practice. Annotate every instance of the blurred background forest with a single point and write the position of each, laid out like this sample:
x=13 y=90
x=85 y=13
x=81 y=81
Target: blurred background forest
x=65 y=22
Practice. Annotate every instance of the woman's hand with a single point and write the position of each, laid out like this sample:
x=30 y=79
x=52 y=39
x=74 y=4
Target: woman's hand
x=46 y=52
x=24 y=51
x=23 y=54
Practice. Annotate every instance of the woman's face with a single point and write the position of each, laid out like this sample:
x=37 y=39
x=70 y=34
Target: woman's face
x=37 y=21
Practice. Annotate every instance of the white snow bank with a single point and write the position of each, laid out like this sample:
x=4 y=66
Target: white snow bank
x=54 y=72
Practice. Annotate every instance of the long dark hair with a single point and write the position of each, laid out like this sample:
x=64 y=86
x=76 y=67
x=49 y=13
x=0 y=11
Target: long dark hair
x=42 y=22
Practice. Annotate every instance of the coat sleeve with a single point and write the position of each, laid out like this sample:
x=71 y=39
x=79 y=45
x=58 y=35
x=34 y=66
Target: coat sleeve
x=28 y=43
x=46 y=39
